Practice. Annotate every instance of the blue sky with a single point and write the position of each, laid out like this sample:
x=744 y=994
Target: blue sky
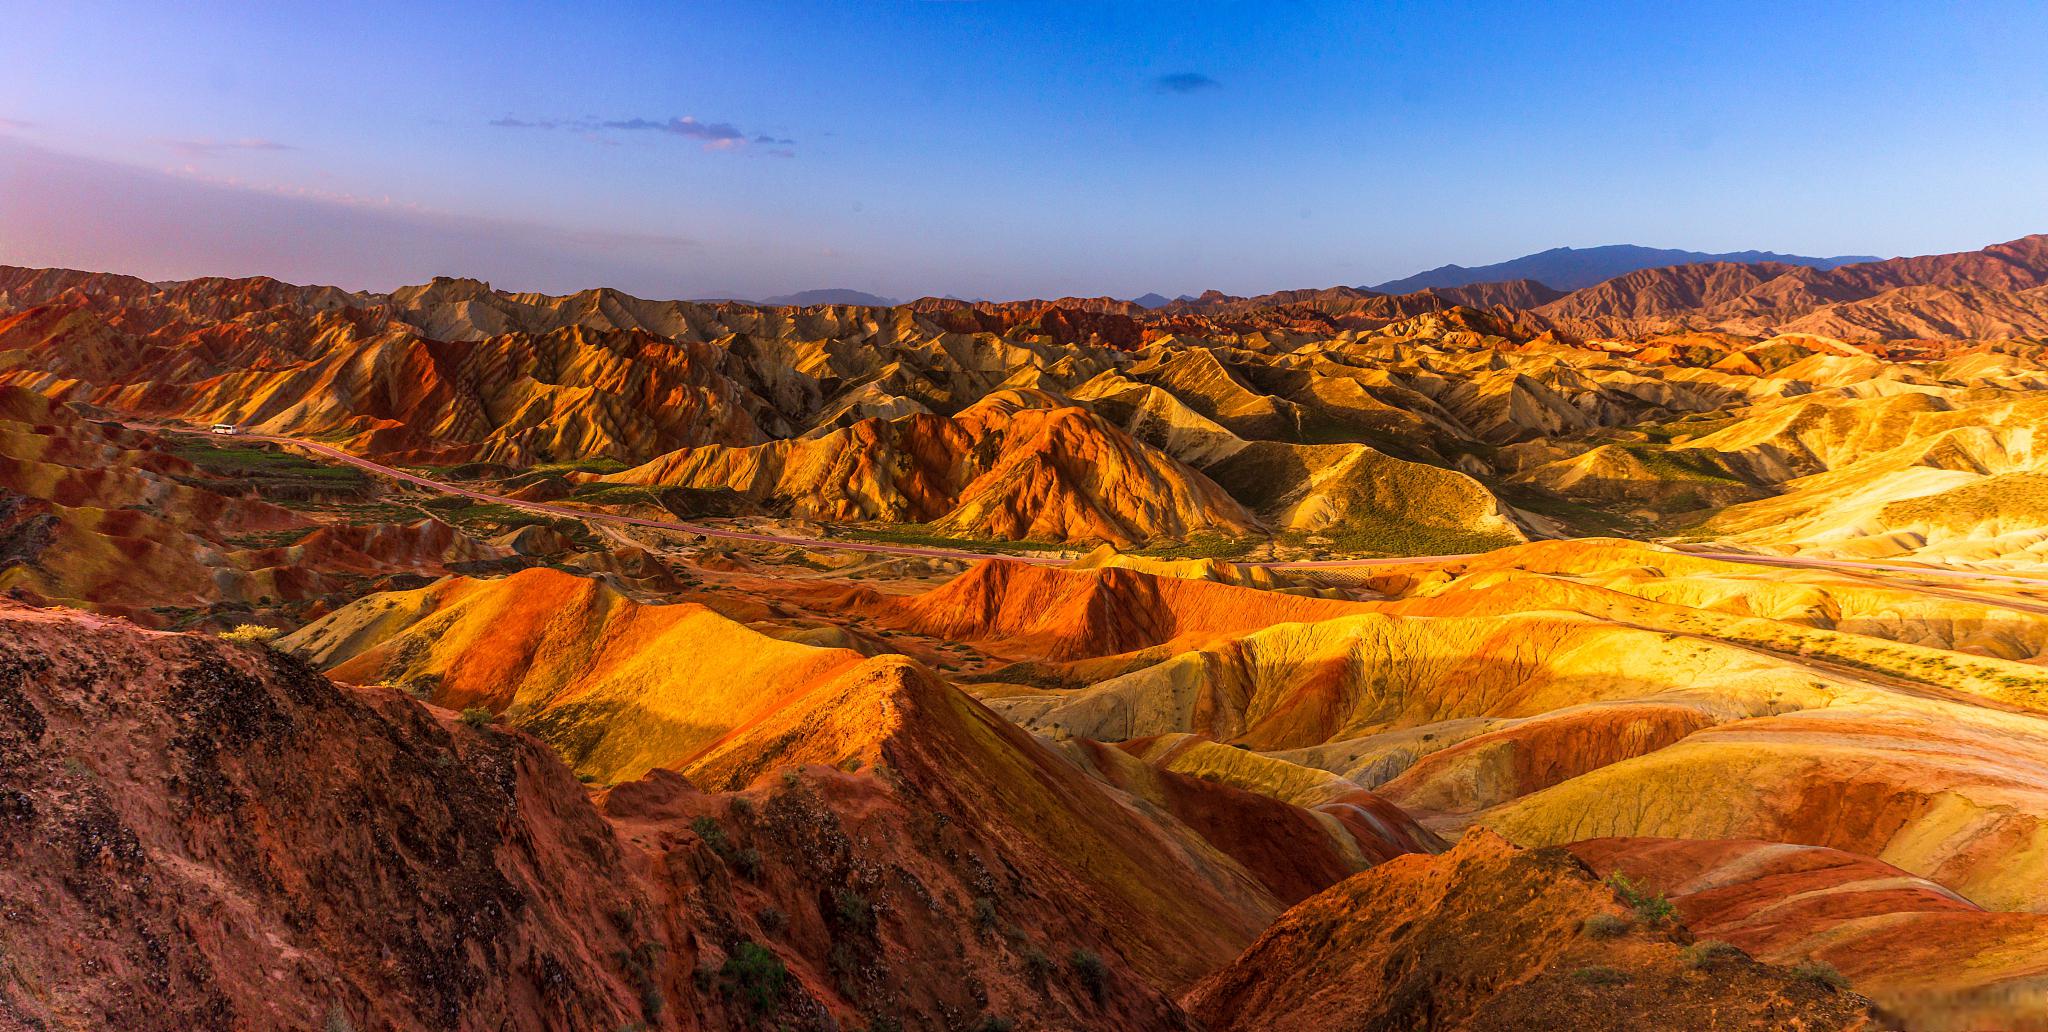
x=999 y=149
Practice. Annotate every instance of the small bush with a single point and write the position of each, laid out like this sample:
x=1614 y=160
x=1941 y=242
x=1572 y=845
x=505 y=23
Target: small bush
x=1651 y=908
x=1706 y=952
x=746 y=861
x=984 y=915
x=251 y=634
x=854 y=910
x=1607 y=926
x=477 y=717
x=337 y=1020
x=640 y=967
x=1600 y=976
x=713 y=835
x=1094 y=975
x=756 y=975
x=1037 y=964
x=771 y=920
x=742 y=809
x=1820 y=973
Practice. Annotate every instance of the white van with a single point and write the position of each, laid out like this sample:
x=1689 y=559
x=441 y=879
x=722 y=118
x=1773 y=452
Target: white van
x=225 y=428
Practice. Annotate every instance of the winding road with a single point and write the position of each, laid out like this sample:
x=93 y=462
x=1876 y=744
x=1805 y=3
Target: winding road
x=923 y=552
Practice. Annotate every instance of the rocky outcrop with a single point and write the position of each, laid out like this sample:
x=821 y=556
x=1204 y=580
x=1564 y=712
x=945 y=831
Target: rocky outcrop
x=1488 y=936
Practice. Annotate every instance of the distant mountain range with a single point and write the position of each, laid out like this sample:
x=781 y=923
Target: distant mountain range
x=831 y=296
x=1573 y=268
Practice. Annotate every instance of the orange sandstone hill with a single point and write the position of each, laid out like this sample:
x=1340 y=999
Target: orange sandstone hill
x=599 y=676
x=1490 y=937
x=1014 y=465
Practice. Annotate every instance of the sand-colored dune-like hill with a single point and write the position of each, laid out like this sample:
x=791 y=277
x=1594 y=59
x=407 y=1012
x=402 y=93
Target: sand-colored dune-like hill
x=1009 y=467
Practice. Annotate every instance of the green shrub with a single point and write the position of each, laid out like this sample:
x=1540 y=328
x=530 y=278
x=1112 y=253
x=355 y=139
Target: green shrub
x=477 y=717
x=1820 y=973
x=748 y=862
x=1607 y=926
x=1094 y=975
x=640 y=964
x=1600 y=976
x=1037 y=964
x=756 y=975
x=251 y=634
x=984 y=915
x=713 y=835
x=1706 y=952
x=771 y=920
x=855 y=912
x=1651 y=908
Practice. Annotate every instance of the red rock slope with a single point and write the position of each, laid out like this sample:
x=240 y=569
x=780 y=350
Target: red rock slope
x=1488 y=936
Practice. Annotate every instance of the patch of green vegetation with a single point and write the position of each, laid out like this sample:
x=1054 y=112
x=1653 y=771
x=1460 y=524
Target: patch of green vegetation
x=361 y=514
x=920 y=535
x=1203 y=546
x=1600 y=975
x=490 y=518
x=477 y=717
x=1607 y=926
x=251 y=634
x=1378 y=537
x=854 y=910
x=2015 y=497
x=1036 y=964
x=600 y=464
x=1691 y=426
x=1680 y=464
x=615 y=494
x=1582 y=520
x=746 y=861
x=258 y=460
x=1820 y=973
x=1706 y=952
x=1651 y=908
x=1091 y=971
x=270 y=538
x=640 y=964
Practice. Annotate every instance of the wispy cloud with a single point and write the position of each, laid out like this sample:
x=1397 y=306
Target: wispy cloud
x=15 y=123
x=1185 y=82
x=712 y=136
x=207 y=145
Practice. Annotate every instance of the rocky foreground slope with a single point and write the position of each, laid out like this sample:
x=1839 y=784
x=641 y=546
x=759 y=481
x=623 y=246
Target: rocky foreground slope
x=217 y=837
x=210 y=835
